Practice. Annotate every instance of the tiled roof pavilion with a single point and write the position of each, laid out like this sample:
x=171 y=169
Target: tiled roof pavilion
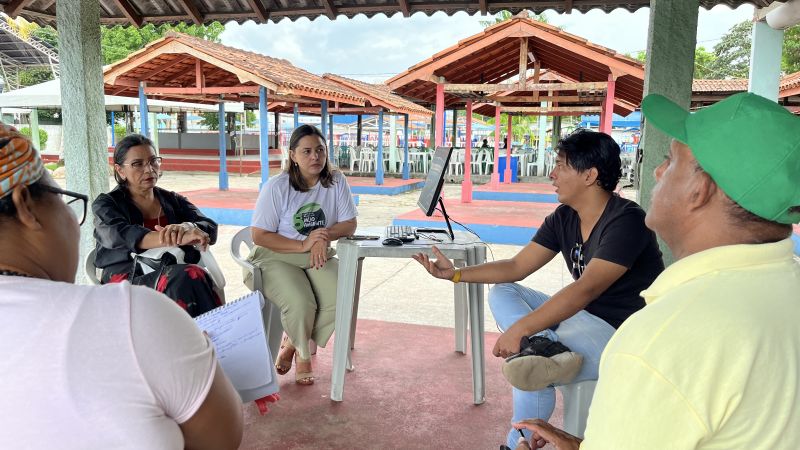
x=204 y=11
x=706 y=92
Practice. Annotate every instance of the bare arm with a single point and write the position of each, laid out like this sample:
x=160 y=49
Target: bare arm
x=596 y=279
x=531 y=258
x=281 y=244
x=218 y=424
x=342 y=229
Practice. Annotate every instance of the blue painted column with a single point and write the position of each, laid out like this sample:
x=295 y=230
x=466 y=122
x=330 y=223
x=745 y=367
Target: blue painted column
x=144 y=129
x=379 y=157
x=405 y=147
x=223 y=167
x=324 y=118
x=263 y=137
x=296 y=116
x=113 y=135
x=765 y=61
x=331 y=150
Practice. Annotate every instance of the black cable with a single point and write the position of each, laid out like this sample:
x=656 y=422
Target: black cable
x=470 y=230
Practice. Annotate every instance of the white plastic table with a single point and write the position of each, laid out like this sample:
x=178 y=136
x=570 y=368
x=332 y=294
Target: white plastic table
x=466 y=250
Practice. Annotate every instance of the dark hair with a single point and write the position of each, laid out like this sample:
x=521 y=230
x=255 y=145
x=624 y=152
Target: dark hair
x=584 y=149
x=122 y=148
x=7 y=208
x=766 y=230
x=295 y=177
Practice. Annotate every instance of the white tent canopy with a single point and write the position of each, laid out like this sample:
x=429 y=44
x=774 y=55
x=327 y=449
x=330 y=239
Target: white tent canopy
x=47 y=95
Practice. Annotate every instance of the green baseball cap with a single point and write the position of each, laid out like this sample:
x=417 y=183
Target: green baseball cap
x=749 y=145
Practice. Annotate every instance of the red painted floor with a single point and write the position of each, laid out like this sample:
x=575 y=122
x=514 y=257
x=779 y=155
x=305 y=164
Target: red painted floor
x=534 y=188
x=409 y=390
x=214 y=198
x=489 y=212
x=388 y=182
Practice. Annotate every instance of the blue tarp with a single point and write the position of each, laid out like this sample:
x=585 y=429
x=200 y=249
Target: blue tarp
x=633 y=120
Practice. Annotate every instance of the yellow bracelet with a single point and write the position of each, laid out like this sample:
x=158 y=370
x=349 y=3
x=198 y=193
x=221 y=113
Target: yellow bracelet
x=456 y=276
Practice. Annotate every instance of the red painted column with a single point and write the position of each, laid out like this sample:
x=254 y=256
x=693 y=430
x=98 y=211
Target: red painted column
x=606 y=116
x=466 y=185
x=439 y=116
x=495 y=173
x=507 y=175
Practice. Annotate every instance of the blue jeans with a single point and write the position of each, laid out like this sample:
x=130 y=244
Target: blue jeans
x=583 y=333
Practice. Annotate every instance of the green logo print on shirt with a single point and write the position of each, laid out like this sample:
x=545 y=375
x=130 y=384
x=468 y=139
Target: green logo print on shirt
x=308 y=218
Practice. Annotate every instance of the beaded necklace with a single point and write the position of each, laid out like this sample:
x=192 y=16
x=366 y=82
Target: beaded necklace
x=12 y=273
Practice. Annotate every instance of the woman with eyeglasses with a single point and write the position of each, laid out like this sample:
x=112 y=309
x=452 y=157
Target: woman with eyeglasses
x=298 y=214
x=137 y=216
x=114 y=366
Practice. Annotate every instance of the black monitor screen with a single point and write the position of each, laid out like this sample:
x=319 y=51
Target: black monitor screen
x=433 y=184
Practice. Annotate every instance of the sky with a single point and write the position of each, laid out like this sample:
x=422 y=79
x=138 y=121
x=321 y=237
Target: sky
x=374 y=49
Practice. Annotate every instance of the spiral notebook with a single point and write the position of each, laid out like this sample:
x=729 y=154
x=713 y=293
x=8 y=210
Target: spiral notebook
x=237 y=331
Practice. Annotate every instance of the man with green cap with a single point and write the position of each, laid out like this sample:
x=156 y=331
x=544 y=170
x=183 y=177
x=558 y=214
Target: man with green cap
x=713 y=360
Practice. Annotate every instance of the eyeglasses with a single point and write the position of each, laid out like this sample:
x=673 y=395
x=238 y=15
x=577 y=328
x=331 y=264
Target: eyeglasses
x=139 y=165
x=76 y=202
x=578 y=264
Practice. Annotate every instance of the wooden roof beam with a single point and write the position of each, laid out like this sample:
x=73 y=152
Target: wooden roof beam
x=403 y=4
x=482 y=6
x=259 y=10
x=192 y=11
x=212 y=90
x=537 y=110
x=14 y=7
x=163 y=67
x=547 y=98
x=523 y=60
x=330 y=10
x=129 y=12
x=568 y=6
x=458 y=88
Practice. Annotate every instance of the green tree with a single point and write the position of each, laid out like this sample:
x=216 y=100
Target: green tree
x=26 y=131
x=118 y=42
x=791 y=50
x=732 y=52
x=703 y=63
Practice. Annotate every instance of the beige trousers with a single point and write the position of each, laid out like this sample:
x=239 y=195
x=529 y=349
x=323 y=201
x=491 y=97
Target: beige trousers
x=305 y=296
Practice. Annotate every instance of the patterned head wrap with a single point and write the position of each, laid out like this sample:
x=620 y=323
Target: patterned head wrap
x=20 y=165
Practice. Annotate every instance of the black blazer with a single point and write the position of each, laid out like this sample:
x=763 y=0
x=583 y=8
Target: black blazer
x=118 y=225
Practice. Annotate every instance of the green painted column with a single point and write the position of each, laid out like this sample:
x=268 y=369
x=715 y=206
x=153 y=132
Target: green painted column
x=34 y=120
x=765 y=61
x=84 y=132
x=542 y=144
x=671 y=41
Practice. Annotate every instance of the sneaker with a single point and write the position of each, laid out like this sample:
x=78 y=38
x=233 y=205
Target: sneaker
x=540 y=363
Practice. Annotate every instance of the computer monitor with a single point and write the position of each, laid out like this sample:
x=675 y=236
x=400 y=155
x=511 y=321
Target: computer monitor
x=432 y=191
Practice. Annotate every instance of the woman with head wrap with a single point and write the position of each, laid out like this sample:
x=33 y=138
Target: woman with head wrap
x=137 y=216
x=114 y=366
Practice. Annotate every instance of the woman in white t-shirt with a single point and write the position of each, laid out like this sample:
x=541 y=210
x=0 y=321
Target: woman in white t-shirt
x=85 y=367
x=298 y=214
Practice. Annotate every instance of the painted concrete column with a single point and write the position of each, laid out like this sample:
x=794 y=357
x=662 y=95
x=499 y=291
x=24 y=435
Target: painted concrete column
x=33 y=117
x=263 y=136
x=393 y=144
x=765 y=61
x=671 y=44
x=495 y=181
x=296 y=116
x=607 y=114
x=439 y=115
x=332 y=149
x=113 y=135
x=152 y=122
x=432 y=141
x=358 y=129
x=455 y=128
x=83 y=111
x=507 y=175
x=144 y=128
x=379 y=156
x=324 y=118
x=406 y=175
x=466 y=185
x=542 y=147
x=223 y=149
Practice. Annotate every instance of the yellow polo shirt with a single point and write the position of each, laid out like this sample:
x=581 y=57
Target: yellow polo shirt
x=712 y=361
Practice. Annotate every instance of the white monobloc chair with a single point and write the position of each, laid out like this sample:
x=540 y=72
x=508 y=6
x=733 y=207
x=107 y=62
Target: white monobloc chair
x=577 y=399
x=271 y=313
x=207 y=262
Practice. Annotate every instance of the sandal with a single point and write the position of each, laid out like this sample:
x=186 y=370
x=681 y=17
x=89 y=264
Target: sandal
x=303 y=378
x=283 y=366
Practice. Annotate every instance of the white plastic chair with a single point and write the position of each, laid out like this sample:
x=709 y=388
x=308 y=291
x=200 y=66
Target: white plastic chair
x=207 y=262
x=488 y=161
x=271 y=313
x=457 y=162
x=367 y=159
x=577 y=400
x=284 y=158
x=355 y=157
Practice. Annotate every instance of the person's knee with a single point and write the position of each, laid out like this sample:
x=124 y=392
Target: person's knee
x=502 y=292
